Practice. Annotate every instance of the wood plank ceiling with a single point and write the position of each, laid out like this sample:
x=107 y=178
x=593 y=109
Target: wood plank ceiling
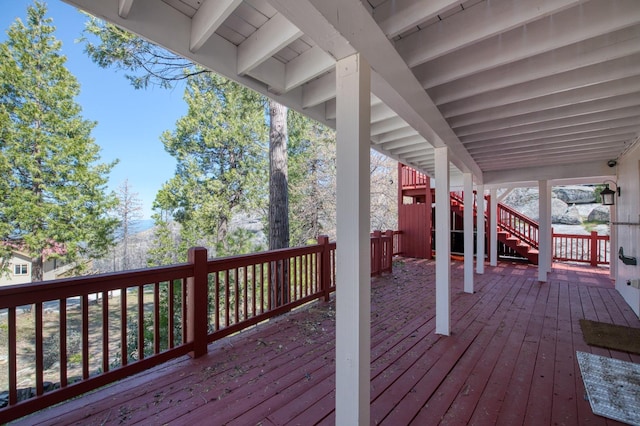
x=518 y=90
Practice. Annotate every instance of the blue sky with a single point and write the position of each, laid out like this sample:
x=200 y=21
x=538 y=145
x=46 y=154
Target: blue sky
x=130 y=121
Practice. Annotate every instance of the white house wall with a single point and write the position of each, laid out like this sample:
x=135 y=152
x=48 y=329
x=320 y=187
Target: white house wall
x=628 y=225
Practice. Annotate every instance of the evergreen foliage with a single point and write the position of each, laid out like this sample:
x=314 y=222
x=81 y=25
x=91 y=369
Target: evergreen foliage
x=53 y=186
x=220 y=147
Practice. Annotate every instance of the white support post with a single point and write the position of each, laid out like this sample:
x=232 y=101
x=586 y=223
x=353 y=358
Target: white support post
x=493 y=208
x=468 y=232
x=544 y=231
x=353 y=295
x=480 y=227
x=443 y=243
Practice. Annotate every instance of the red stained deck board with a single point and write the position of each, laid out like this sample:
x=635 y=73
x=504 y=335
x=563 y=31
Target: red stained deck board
x=475 y=384
x=541 y=389
x=454 y=384
x=564 y=405
x=507 y=334
x=424 y=378
x=514 y=405
x=494 y=393
x=319 y=412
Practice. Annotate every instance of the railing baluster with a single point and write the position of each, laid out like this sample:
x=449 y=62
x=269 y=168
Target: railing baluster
x=245 y=292
x=236 y=288
x=268 y=286
x=216 y=301
x=124 y=355
x=171 y=312
x=85 y=336
x=156 y=318
x=63 y=342
x=105 y=331
x=12 y=353
x=183 y=321
x=253 y=289
x=39 y=349
x=227 y=290
x=140 y=322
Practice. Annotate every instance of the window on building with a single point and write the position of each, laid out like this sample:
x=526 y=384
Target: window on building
x=20 y=269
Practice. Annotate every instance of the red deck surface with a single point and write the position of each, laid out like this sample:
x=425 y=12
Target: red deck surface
x=510 y=359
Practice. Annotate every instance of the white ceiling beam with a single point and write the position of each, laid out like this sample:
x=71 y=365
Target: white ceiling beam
x=381 y=112
x=596 y=91
x=590 y=110
x=562 y=82
x=388 y=125
x=419 y=156
x=307 y=66
x=170 y=28
x=479 y=22
x=397 y=134
x=592 y=19
x=124 y=7
x=422 y=147
x=359 y=31
x=573 y=140
x=402 y=142
x=272 y=73
x=396 y=17
x=330 y=109
x=320 y=90
x=273 y=36
x=550 y=156
x=315 y=26
x=208 y=18
x=556 y=131
x=569 y=170
x=590 y=52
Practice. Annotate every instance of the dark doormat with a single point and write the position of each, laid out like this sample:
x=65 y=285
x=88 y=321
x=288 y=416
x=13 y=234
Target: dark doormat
x=611 y=336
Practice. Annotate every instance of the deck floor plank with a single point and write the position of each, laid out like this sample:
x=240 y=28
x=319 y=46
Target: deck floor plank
x=510 y=359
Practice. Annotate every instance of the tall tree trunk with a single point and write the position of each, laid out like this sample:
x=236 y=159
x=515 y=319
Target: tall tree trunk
x=37 y=269
x=278 y=200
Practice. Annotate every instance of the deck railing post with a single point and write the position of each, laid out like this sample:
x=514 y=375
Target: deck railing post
x=197 y=300
x=325 y=266
x=376 y=252
x=594 y=248
x=389 y=250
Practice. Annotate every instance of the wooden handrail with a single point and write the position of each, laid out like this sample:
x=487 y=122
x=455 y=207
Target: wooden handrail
x=202 y=301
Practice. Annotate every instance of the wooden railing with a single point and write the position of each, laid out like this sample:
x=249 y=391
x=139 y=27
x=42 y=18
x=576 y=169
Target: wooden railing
x=412 y=178
x=518 y=225
x=381 y=252
x=593 y=249
x=82 y=333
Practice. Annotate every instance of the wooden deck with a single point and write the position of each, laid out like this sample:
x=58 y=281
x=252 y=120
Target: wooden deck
x=510 y=359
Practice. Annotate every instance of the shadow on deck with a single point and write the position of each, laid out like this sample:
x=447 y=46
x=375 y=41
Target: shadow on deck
x=510 y=359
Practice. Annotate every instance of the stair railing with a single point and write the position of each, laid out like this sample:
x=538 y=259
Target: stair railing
x=518 y=225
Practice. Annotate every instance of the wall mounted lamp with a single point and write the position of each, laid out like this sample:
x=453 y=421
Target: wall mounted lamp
x=609 y=196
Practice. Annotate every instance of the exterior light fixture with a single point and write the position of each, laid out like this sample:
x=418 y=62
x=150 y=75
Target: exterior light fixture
x=608 y=195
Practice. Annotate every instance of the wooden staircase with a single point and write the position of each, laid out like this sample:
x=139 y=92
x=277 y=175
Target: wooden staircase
x=516 y=231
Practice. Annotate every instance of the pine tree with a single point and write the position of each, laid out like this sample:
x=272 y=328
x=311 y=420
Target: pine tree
x=220 y=149
x=53 y=187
